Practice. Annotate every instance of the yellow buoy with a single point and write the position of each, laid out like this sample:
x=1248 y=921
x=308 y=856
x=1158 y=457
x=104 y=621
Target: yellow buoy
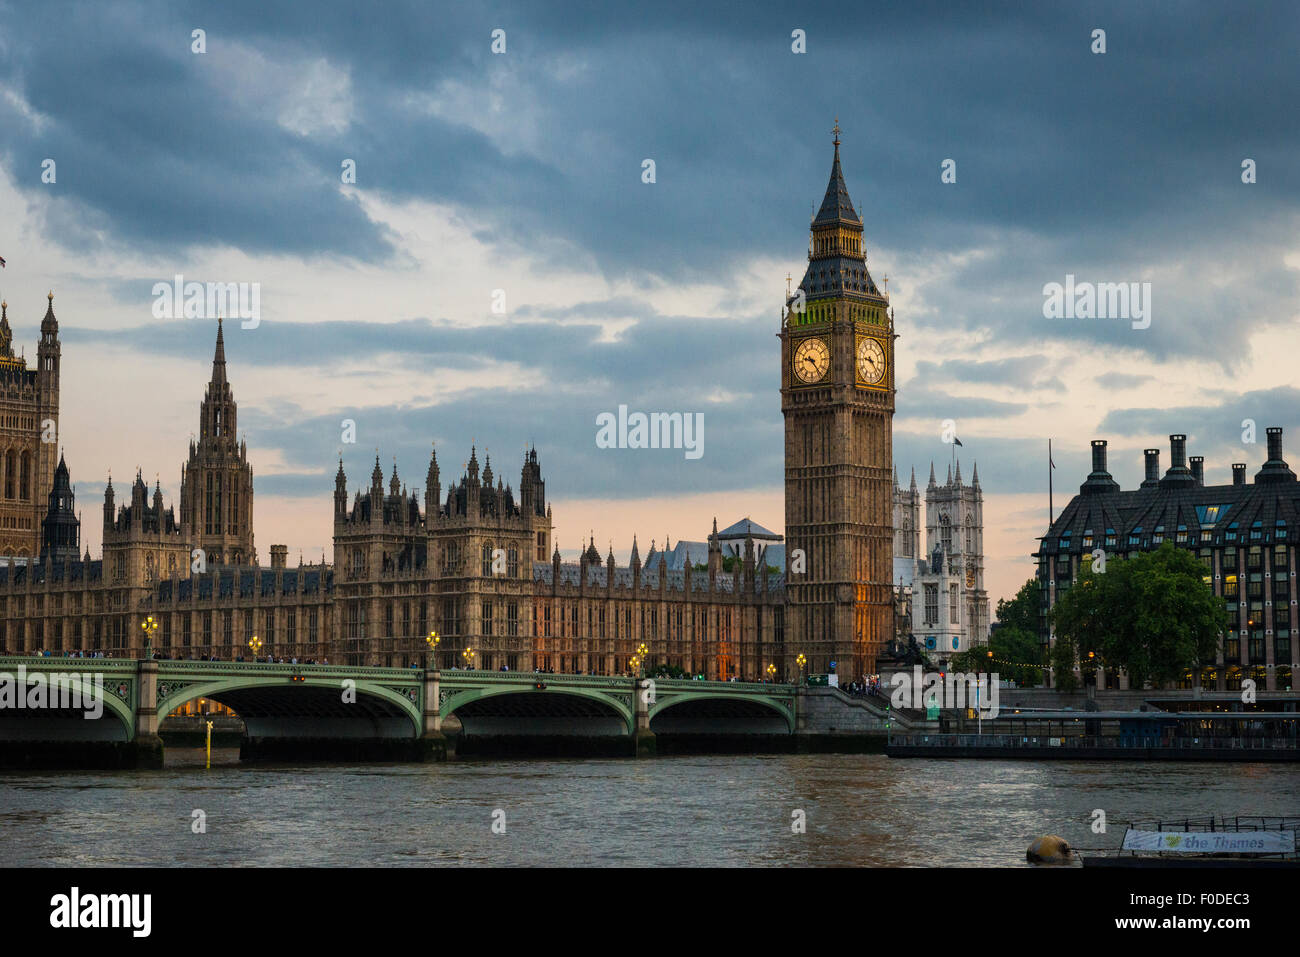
x=1049 y=849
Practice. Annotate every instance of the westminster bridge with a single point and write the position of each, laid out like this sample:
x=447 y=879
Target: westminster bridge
x=391 y=712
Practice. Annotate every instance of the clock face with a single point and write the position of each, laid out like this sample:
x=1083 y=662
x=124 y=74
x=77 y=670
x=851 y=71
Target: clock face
x=871 y=360
x=812 y=357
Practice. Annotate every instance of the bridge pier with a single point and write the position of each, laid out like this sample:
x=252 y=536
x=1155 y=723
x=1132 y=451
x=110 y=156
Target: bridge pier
x=643 y=739
x=433 y=743
x=146 y=743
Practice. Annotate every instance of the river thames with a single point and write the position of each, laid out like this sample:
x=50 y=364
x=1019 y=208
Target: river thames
x=861 y=810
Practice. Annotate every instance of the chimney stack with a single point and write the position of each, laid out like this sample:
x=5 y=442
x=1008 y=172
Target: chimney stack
x=1238 y=473
x=1275 y=469
x=1099 y=455
x=1179 y=475
x=1153 y=468
x=1198 y=469
x=1178 y=451
x=1099 y=480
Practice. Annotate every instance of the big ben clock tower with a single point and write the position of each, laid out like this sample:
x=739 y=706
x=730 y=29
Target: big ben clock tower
x=837 y=396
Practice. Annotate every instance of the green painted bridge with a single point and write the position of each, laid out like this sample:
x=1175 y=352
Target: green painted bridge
x=122 y=700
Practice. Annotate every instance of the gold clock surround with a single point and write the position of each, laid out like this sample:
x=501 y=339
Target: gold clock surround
x=810 y=360
x=880 y=380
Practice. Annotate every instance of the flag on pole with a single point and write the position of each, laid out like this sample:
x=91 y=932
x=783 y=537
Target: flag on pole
x=956 y=441
x=2 y=260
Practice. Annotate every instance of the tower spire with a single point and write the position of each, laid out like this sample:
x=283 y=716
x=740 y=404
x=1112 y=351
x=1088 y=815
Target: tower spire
x=219 y=356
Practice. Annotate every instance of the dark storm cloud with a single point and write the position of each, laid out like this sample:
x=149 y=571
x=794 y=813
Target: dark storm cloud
x=1115 y=168
x=1102 y=155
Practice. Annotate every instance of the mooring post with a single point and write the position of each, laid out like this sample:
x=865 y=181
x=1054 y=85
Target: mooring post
x=148 y=746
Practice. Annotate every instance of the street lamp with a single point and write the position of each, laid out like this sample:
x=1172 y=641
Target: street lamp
x=468 y=655
x=255 y=643
x=433 y=641
x=801 y=661
x=771 y=672
x=149 y=626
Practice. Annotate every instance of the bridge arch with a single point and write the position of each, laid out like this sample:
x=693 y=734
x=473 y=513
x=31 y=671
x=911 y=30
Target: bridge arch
x=530 y=710
x=714 y=712
x=118 y=718
x=311 y=707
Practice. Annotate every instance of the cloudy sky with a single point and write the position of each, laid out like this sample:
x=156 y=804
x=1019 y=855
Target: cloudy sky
x=521 y=171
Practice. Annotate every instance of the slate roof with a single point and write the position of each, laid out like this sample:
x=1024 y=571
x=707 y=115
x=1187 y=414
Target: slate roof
x=1248 y=514
x=836 y=205
x=747 y=527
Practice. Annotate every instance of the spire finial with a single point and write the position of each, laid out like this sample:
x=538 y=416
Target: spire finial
x=836 y=131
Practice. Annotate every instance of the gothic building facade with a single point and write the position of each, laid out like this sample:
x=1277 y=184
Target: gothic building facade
x=943 y=583
x=476 y=561
x=29 y=424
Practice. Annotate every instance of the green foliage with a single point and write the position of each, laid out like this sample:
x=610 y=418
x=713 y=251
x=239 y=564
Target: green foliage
x=1021 y=612
x=1008 y=644
x=1063 y=662
x=1152 y=615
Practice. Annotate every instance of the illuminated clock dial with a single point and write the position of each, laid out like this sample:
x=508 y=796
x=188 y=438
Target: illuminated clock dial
x=812 y=357
x=871 y=360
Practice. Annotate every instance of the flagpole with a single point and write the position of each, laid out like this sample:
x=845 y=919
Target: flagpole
x=1050 y=466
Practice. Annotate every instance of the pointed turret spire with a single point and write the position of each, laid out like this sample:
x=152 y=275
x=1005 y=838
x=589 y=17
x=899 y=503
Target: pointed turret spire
x=933 y=483
x=6 y=334
x=958 y=476
x=219 y=356
x=836 y=205
x=913 y=478
x=975 y=476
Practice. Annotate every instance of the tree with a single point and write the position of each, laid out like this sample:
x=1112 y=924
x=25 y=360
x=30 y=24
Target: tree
x=1017 y=655
x=1022 y=611
x=1152 y=615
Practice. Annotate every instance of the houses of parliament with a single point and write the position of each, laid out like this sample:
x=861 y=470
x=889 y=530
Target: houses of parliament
x=473 y=558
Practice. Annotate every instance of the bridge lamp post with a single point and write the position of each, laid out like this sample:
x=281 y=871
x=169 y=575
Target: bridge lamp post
x=771 y=672
x=635 y=664
x=468 y=655
x=149 y=626
x=641 y=653
x=255 y=643
x=433 y=641
x=801 y=661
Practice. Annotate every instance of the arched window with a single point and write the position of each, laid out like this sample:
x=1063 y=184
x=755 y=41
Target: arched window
x=512 y=562
x=24 y=481
x=9 y=474
x=487 y=559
